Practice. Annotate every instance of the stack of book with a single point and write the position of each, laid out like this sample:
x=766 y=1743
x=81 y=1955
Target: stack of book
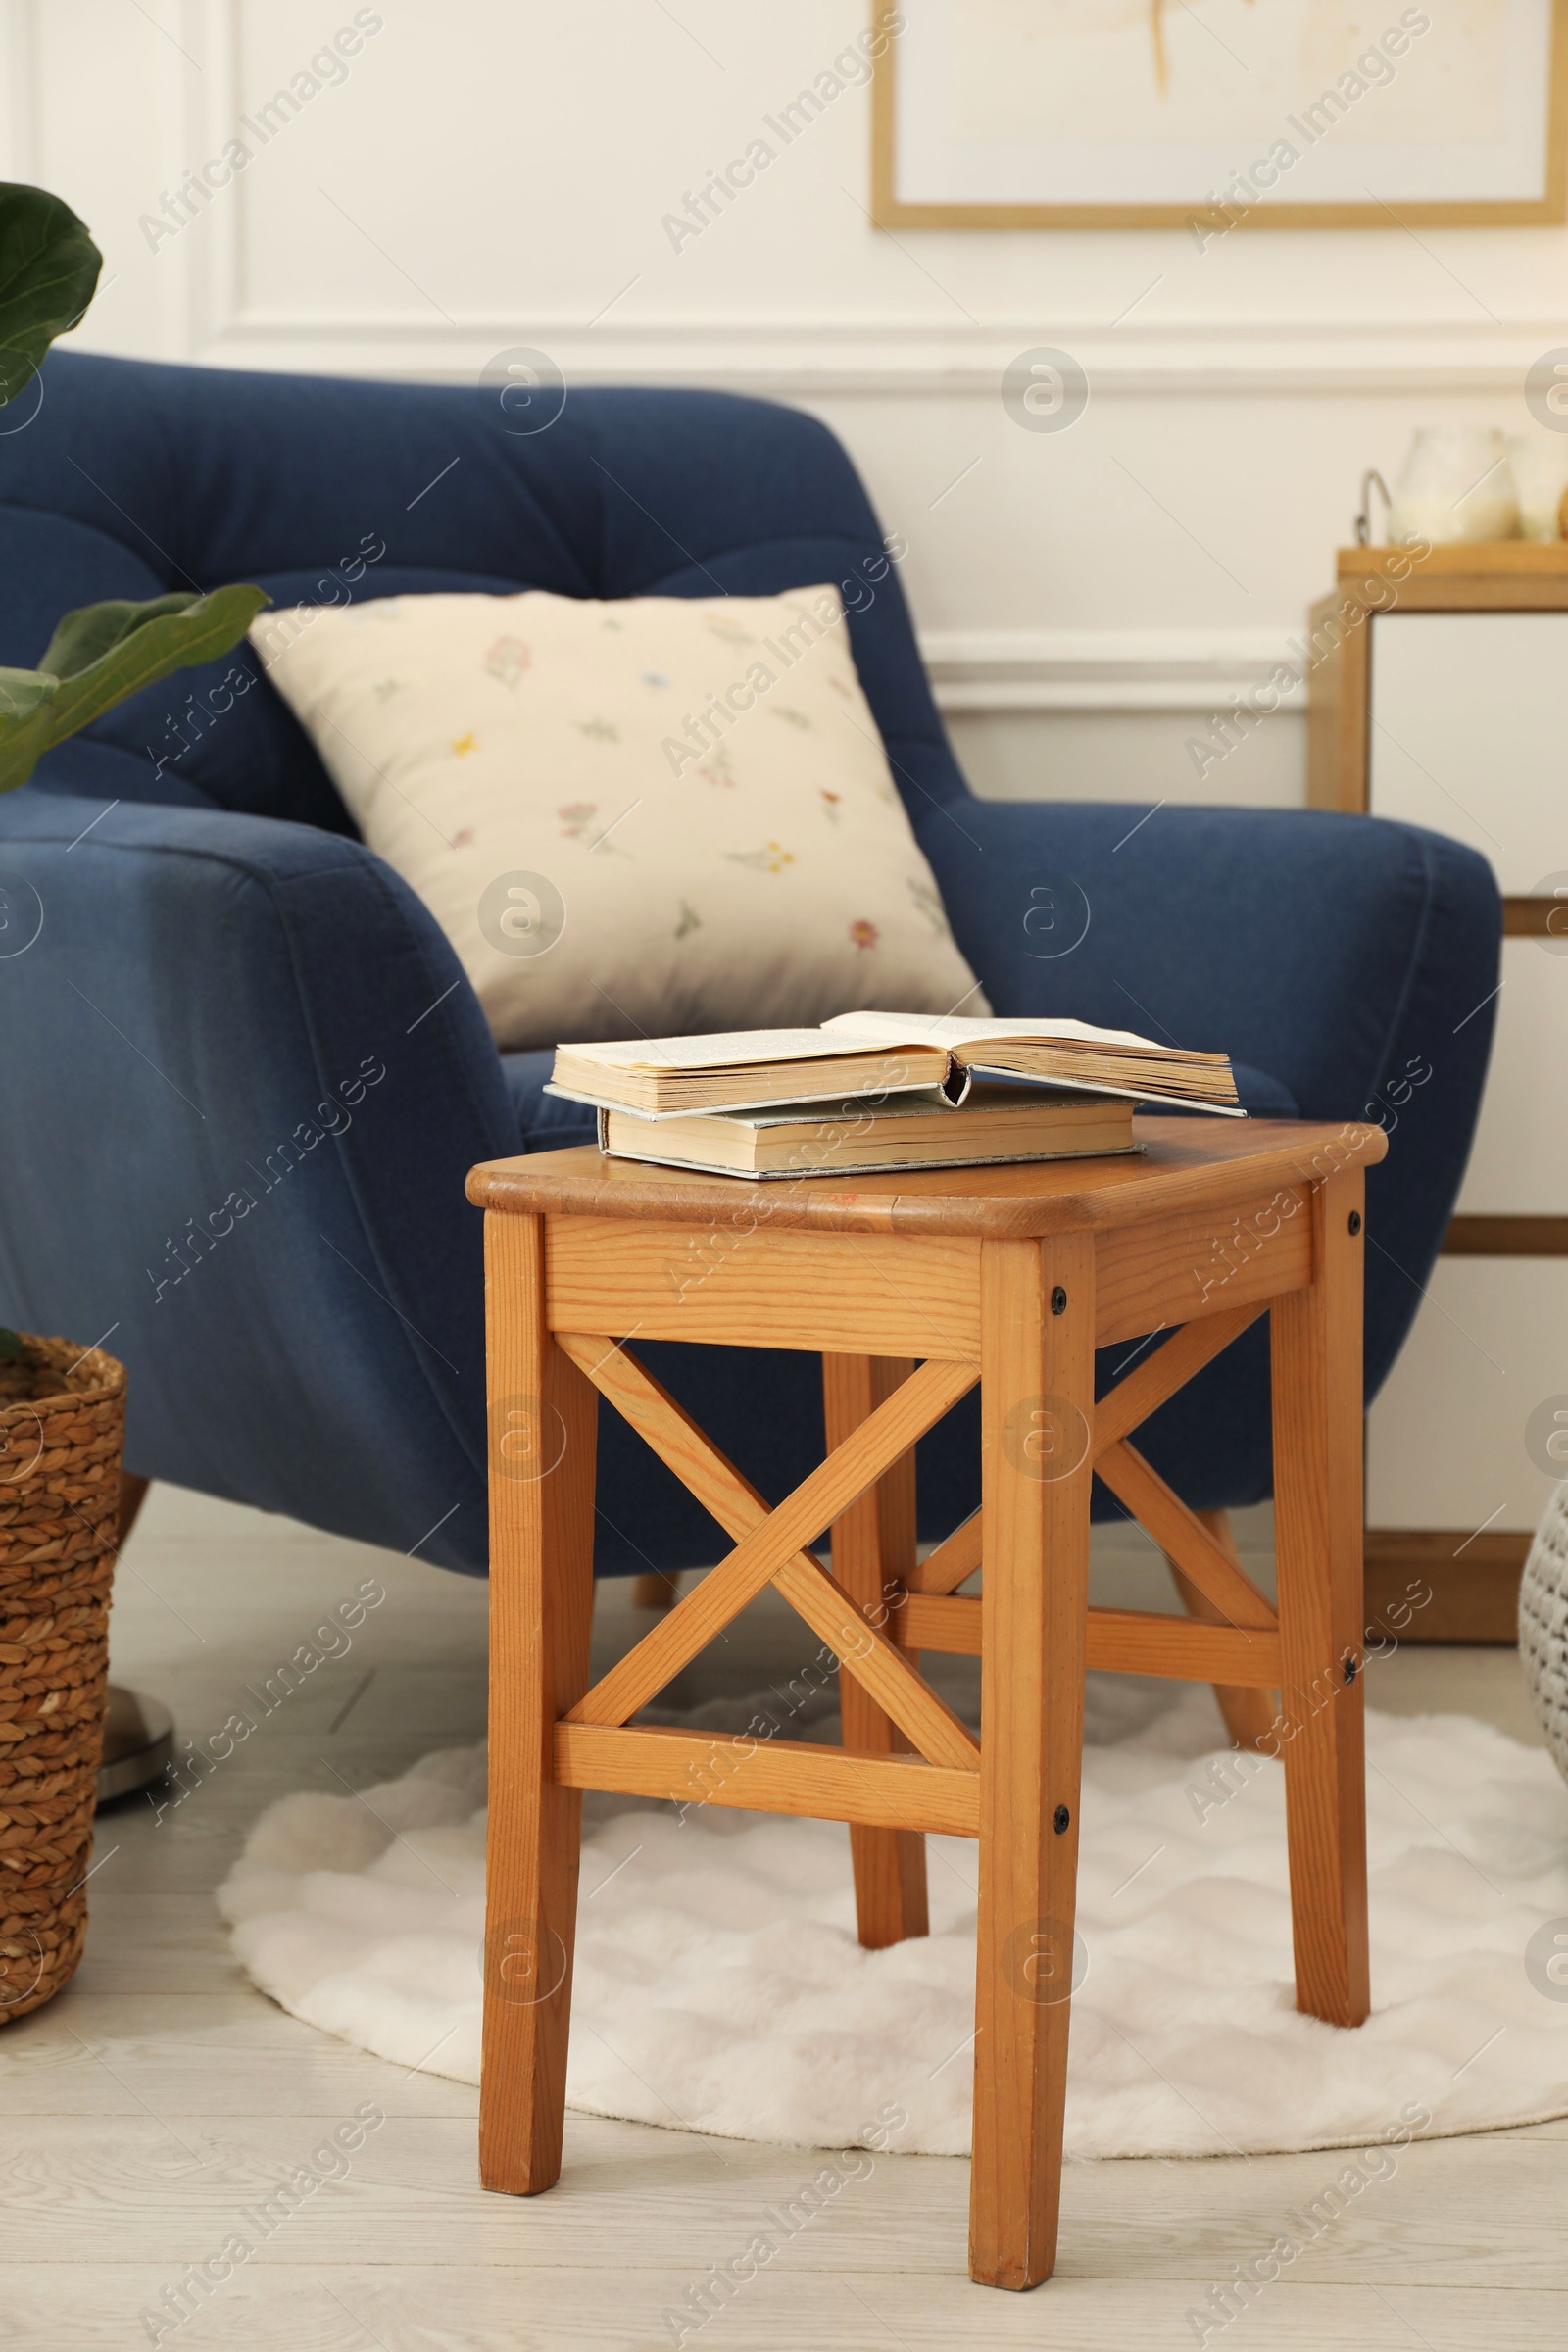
x=873 y=1092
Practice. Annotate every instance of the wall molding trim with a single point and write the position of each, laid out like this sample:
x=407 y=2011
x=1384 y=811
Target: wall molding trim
x=940 y=351
x=1110 y=671
x=203 y=303
x=822 y=355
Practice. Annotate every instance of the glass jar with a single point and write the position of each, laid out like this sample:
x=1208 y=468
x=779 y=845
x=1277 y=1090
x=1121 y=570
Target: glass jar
x=1457 y=484
x=1541 y=474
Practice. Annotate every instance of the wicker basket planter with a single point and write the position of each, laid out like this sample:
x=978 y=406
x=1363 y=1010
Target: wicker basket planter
x=62 y=1426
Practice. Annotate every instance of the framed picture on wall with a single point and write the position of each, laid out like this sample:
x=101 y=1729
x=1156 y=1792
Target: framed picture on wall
x=1267 y=114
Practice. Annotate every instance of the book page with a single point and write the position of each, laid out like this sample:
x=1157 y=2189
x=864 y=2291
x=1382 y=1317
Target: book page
x=946 y=1029
x=737 y=1048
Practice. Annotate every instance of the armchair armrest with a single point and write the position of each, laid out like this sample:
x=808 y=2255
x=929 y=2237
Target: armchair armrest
x=245 y=1078
x=1355 y=961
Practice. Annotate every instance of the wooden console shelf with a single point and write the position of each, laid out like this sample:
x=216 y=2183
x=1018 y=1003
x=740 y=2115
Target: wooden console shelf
x=1435 y=696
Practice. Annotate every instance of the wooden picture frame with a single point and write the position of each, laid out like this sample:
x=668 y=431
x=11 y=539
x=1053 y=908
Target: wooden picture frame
x=890 y=211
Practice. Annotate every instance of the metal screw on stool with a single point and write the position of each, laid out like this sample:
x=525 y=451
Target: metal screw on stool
x=1058 y=1301
x=1356 y=1220
x=1061 y=1817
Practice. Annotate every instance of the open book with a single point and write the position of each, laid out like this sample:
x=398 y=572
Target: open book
x=738 y=1069
x=1060 y=1052
x=878 y=1054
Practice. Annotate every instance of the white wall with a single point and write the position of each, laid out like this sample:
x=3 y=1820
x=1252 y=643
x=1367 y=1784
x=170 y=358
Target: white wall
x=494 y=172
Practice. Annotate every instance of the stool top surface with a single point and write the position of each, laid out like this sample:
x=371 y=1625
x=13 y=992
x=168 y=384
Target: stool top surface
x=1185 y=1162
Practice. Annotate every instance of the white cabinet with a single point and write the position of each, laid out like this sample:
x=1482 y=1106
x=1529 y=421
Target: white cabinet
x=1458 y=1436
x=1439 y=697
x=1469 y=735
x=1519 y=1164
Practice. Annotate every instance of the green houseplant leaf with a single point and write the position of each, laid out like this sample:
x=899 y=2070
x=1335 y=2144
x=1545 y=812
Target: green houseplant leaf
x=23 y=690
x=100 y=654
x=48 y=271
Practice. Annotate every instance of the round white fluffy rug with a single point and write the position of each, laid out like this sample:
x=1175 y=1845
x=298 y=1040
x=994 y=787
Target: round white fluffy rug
x=720 y=1987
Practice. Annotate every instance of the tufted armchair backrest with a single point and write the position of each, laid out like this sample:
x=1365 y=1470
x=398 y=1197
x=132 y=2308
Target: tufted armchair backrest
x=119 y=477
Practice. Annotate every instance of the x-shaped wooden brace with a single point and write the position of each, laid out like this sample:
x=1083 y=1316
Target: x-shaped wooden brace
x=1238 y=1641
x=769 y=1547
x=1240 y=1646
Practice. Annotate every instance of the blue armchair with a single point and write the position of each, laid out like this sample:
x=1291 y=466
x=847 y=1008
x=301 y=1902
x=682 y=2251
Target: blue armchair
x=244 y=1077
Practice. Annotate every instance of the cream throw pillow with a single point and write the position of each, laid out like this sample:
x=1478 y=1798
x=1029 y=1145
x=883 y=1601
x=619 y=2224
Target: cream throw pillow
x=649 y=815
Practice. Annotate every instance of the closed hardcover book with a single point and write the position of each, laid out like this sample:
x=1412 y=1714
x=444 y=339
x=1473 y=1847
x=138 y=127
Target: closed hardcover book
x=839 y=1138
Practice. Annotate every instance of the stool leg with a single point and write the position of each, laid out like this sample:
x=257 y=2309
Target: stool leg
x=542 y=1435
x=1250 y=1713
x=873 y=1546
x=1037 y=1408
x=1316 y=1351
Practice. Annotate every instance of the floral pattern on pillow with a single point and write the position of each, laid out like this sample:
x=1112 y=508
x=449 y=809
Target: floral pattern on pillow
x=696 y=786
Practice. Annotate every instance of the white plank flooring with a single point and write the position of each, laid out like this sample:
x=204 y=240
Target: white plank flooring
x=144 y=2111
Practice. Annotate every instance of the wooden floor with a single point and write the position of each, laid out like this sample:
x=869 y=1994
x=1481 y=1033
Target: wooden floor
x=160 y=2097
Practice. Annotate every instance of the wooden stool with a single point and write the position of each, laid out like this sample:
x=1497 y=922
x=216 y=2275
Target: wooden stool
x=914 y=1288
